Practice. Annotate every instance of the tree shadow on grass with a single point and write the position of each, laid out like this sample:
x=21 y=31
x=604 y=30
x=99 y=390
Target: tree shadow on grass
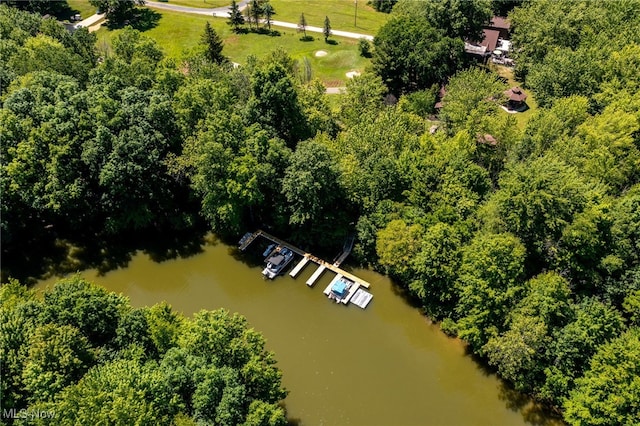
x=63 y=12
x=307 y=38
x=332 y=42
x=142 y=19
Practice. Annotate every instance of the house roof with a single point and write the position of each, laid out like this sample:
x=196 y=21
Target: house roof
x=499 y=22
x=490 y=39
x=515 y=94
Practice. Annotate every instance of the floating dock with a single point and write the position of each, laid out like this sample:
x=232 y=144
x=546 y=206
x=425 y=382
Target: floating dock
x=355 y=295
x=333 y=281
x=362 y=298
x=312 y=280
x=352 y=291
x=299 y=267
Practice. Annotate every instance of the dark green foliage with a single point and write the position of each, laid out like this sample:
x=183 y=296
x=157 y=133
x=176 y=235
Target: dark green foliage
x=589 y=43
x=472 y=97
x=213 y=45
x=609 y=392
x=326 y=29
x=90 y=309
x=274 y=103
x=42 y=7
x=462 y=19
x=159 y=365
x=236 y=20
x=364 y=48
x=383 y=5
x=489 y=286
x=411 y=55
x=312 y=190
x=537 y=200
x=573 y=345
x=117 y=11
x=528 y=248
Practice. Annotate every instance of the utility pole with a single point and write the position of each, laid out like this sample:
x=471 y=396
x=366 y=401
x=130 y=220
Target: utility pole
x=355 y=16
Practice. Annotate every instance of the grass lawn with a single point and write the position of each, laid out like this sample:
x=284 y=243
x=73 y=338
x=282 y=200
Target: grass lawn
x=340 y=13
x=206 y=4
x=82 y=7
x=177 y=32
x=521 y=117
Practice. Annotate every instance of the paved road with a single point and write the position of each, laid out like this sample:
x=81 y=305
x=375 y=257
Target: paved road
x=223 y=12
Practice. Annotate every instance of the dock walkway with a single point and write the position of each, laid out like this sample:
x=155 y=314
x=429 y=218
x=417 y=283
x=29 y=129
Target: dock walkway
x=355 y=292
x=299 y=267
x=313 y=278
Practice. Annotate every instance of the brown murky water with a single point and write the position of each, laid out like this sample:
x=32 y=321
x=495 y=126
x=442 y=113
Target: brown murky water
x=385 y=365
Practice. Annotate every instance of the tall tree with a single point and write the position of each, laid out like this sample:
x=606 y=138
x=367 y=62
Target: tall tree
x=213 y=44
x=268 y=11
x=256 y=12
x=274 y=103
x=461 y=19
x=490 y=284
x=383 y=5
x=326 y=29
x=471 y=97
x=236 y=20
x=117 y=11
x=609 y=392
x=411 y=55
x=302 y=25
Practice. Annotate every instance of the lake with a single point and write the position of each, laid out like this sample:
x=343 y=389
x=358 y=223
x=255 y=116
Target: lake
x=386 y=365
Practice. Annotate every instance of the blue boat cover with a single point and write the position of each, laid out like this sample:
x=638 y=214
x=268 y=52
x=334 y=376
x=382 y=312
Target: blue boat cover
x=339 y=288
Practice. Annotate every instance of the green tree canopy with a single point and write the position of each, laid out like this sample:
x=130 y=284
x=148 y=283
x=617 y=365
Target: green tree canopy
x=412 y=55
x=609 y=392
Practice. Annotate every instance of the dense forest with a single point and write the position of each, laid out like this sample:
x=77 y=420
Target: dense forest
x=527 y=248
x=82 y=355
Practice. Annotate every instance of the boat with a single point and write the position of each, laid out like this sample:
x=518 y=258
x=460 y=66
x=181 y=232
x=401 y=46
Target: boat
x=269 y=250
x=277 y=262
x=339 y=289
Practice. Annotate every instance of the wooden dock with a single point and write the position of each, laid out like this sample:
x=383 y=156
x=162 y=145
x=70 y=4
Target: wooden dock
x=249 y=238
x=356 y=294
x=312 y=280
x=352 y=291
x=299 y=267
x=342 y=272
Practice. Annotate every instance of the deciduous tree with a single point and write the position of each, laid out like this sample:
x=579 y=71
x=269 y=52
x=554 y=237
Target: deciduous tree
x=411 y=55
x=609 y=392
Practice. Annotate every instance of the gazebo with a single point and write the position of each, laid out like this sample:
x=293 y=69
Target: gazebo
x=515 y=97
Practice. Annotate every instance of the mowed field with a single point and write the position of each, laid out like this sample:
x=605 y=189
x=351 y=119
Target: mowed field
x=178 y=32
x=83 y=7
x=341 y=13
x=346 y=15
